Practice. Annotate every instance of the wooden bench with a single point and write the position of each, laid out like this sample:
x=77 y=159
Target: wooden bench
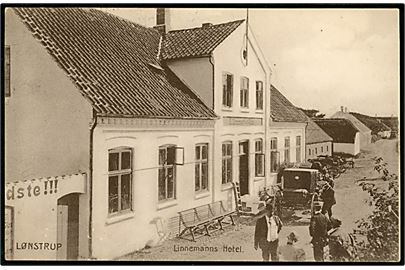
x=199 y=220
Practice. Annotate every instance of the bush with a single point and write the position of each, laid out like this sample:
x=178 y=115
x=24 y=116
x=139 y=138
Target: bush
x=377 y=237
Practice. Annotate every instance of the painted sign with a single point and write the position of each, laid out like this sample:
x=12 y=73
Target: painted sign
x=243 y=121
x=32 y=190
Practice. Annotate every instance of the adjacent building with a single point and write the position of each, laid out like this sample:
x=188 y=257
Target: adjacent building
x=346 y=137
x=365 y=132
x=391 y=122
x=287 y=133
x=318 y=142
x=378 y=128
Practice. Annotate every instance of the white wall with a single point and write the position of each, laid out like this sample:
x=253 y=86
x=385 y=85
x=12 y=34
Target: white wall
x=227 y=58
x=122 y=234
x=46 y=117
x=198 y=74
x=35 y=214
x=280 y=131
x=325 y=146
x=350 y=148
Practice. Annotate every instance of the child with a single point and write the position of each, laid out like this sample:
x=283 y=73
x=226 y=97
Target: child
x=291 y=253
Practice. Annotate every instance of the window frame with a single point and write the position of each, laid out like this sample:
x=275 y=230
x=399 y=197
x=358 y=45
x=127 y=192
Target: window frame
x=298 y=148
x=287 y=149
x=227 y=91
x=244 y=92
x=274 y=149
x=224 y=159
x=259 y=154
x=200 y=161
x=120 y=172
x=259 y=95
x=166 y=168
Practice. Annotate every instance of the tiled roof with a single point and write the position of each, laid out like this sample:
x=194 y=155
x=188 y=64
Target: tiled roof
x=371 y=122
x=340 y=129
x=199 y=41
x=356 y=122
x=314 y=134
x=282 y=110
x=113 y=62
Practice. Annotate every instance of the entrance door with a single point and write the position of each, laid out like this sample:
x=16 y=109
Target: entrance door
x=68 y=227
x=62 y=237
x=8 y=232
x=244 y=167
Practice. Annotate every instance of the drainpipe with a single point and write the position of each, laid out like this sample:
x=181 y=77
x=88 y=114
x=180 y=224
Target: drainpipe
x=211 y=60
x=90 y=189
x=267 y=129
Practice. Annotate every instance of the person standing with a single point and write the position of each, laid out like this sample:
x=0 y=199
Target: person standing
x=290 y=252
x=318 y=230
x=328 y=197
x=266 y=234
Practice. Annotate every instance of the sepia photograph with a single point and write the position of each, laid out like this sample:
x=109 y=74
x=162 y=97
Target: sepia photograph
x=194 y=134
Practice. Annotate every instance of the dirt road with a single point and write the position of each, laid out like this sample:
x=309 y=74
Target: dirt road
x=236 y=243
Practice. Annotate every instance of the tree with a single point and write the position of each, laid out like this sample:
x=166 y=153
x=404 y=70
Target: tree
x=377 y=236
x=312 y=113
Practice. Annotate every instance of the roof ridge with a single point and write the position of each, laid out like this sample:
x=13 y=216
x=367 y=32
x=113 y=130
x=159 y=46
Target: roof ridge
x=122 y=19
x=200 y=27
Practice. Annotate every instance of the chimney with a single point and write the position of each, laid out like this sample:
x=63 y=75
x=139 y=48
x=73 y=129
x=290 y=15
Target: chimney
x=341 y=108
x=345 y=109
x=205 y=25
x=162 y=20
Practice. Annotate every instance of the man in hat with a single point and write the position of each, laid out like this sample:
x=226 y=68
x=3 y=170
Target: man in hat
x=328 y=197
x=290 y=252
x=266 y=234
x=341 y=243
x=318 y=229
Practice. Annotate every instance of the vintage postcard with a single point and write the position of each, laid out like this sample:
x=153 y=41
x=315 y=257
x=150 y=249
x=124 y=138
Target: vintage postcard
x=194 y=134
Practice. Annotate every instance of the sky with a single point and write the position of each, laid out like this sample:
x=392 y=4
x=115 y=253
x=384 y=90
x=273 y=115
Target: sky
x=321 y=58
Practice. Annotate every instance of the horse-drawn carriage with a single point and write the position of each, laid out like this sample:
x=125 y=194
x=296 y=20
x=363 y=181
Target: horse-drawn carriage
x=300 y=186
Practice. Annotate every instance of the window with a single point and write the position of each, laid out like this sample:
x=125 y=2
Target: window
x=287 y=149
x=327 y=148
x=7 y=91
x=226 y=162
x=316 y=150
x=259 y=158
x=309 y=151
x=201 y=167
x=227 y=89
x=244 y=92
x=274 y=155
x=119 y=180
x=259 y=95
x=298 y=149
x=160 y=16
x=321 y=149
x=167 y=172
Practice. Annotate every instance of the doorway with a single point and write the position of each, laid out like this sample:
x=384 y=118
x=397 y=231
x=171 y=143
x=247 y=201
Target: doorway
x=68 y=227
x=244 y=167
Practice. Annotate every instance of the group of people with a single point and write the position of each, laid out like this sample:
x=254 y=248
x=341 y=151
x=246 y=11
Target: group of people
x=266 y=238
x=325 y=231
